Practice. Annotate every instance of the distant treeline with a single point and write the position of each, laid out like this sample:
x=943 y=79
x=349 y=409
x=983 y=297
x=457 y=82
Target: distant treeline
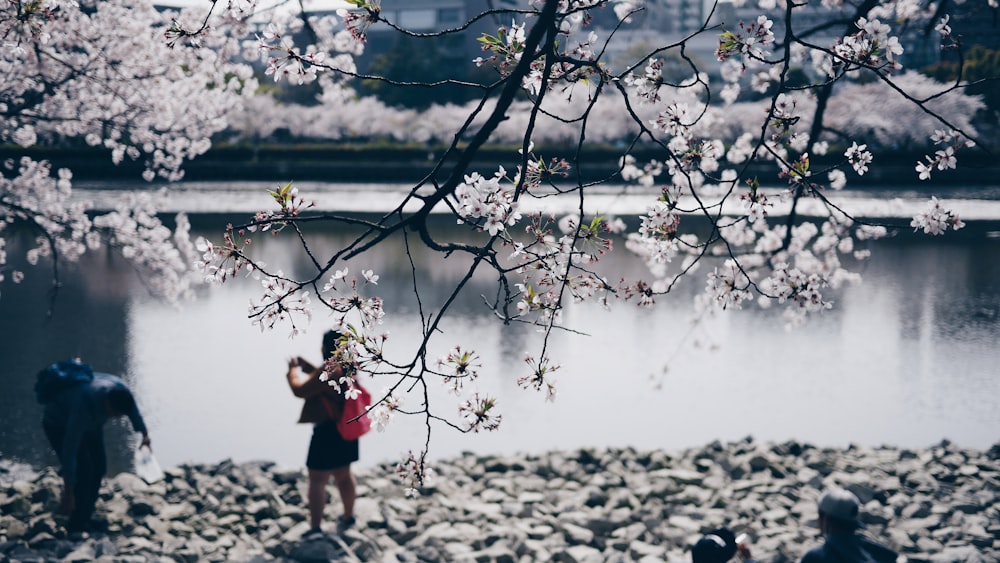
x=377 y=163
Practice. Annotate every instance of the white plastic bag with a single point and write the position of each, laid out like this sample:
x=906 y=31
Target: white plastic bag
x=146 y=466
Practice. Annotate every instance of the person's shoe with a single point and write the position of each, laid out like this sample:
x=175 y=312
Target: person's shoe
x=345 y=522
x=76 y=528
x=77 y=535
x=98 y=525
x=313 y=534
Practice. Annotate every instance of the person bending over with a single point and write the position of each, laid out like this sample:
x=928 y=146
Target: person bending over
x=73 y=422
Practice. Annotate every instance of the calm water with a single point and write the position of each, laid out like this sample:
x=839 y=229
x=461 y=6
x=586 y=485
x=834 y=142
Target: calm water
x=907 y=358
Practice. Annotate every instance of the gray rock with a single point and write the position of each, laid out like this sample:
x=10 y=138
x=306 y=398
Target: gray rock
x=684 y=523
x=16 y=506
x=915 y=510
x=320 y=551
x=577 y=534
x=640 y=550
x=608 y=505
x=685 y=477
x=578 y=554
x=966 y=554
x=493 y=554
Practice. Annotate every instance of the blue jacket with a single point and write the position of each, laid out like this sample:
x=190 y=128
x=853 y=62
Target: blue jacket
x=849 y=548
x=79 y=409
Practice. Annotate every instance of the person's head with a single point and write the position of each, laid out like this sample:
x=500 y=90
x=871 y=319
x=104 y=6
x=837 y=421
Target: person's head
x=120 y=402
x=717 y=546
x=330 y=340
x=839 y=510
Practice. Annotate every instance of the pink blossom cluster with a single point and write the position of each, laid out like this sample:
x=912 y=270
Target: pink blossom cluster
x=750 y=41
x=871 y=46
x=936 y=219
x=478 y=413
x=459 y=367
x=358 y=21
x=944 y=158
x=490 y=199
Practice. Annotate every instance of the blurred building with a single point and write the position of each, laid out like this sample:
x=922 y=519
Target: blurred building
x=433 y=16
x=656 y=24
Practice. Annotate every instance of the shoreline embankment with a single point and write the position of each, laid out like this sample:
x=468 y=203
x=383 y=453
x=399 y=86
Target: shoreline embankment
x=934 y=504
x=412 y=163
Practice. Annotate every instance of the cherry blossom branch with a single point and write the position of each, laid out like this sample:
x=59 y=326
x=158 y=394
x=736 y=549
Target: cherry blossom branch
x=691 y=222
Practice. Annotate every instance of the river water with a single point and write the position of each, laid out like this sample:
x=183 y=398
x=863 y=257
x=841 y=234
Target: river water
x=907 y=358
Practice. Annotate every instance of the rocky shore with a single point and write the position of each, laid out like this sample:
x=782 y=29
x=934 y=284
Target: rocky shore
x=940 y=504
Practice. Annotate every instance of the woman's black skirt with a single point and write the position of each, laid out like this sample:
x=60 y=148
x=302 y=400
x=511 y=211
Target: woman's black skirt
x=328 y=450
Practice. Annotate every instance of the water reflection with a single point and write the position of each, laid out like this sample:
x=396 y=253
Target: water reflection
x=907 y=358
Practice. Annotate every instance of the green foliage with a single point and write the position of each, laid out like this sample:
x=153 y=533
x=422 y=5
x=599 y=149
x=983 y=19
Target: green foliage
x=501 y=43
x=420 y=61
x=980 y=64
x=282 y=195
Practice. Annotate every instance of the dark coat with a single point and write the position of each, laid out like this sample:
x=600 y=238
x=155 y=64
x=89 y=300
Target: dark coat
x=849 y=548
x=322 y=401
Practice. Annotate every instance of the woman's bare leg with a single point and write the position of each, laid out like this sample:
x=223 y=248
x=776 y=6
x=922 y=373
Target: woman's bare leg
x=317 y=495
x=347 y=487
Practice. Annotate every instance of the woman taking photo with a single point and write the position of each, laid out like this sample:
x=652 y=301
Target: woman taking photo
x=330 y=455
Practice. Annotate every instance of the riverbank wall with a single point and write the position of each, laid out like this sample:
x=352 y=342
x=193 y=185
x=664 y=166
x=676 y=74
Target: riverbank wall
x=936 y=504
x=342 y=163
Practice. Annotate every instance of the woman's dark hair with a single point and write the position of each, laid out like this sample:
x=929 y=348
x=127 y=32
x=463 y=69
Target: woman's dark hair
x=120 y=401
x=330 y=340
